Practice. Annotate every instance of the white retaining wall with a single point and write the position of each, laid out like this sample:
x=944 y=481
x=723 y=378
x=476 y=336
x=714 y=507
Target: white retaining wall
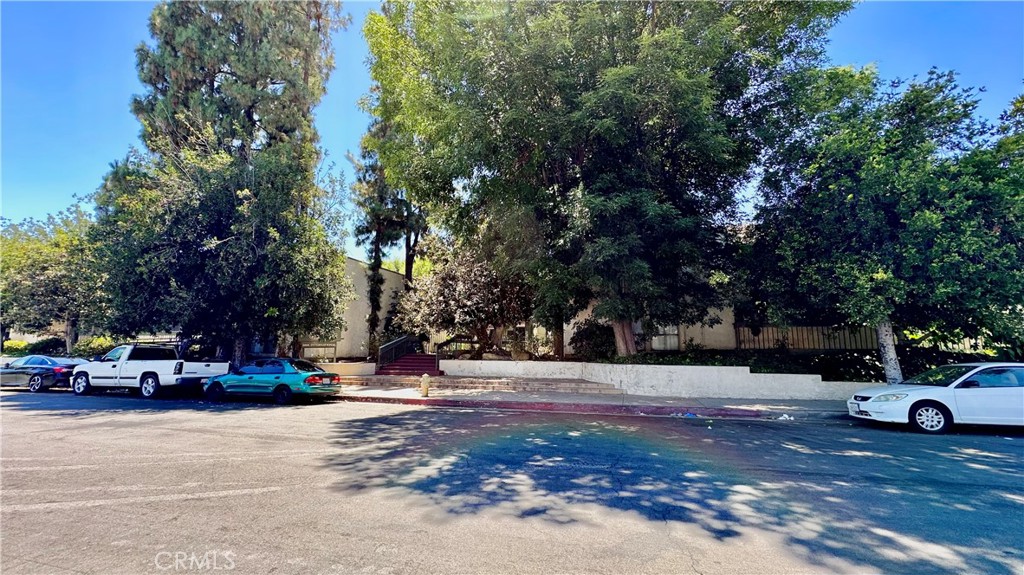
x=729 y=382
x=500 y=368
x=350 y=368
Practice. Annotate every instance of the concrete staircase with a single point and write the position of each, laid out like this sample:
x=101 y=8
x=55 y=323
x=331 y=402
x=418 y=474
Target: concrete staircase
x=413 y=364
x=487 y=383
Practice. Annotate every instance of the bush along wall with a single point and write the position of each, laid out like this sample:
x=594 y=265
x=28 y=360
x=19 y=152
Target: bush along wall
x=849 y=365
x=15 y=347
x=88 y=347
x=48 y=346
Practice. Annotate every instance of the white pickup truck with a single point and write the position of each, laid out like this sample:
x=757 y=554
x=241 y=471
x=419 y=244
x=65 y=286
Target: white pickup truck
x=143 y=367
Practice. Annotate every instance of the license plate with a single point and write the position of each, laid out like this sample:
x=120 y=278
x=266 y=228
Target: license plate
x=854 y=407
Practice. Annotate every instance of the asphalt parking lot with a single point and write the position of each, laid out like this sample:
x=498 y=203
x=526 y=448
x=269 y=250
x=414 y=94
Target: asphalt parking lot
x=118 y=484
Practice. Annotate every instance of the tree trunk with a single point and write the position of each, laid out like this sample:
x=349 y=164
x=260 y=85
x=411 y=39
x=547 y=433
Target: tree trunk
x=887 y=347
x=70 y=334
x=483 y=343
x=497 y=335
x=284 y=343
x=182 y=347
x=625 y=339
x=558 y=342
x=240 y=351
x=296 y=346
x=410 y=259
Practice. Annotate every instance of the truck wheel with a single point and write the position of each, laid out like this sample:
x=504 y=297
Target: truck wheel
x=282 y=395
x=149 y=386
x=80 y=384
x=35 y=384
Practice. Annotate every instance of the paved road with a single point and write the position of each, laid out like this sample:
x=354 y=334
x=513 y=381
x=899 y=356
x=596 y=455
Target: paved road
x=114 y=484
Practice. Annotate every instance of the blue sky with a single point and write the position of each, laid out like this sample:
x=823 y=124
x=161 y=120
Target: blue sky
x=67 y=74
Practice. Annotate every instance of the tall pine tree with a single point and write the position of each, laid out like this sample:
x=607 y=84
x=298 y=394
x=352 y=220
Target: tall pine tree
x=218 y=231
x=386 y=217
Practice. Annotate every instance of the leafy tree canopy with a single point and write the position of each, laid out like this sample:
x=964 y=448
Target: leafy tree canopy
x=49 y=277
x=465 y=294
x=898 y=207
x=601 y=142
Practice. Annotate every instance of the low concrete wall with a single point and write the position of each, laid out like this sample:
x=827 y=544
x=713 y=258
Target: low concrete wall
x=498 y=368
x=676 y=380
x=843 y=389
x=352 y=368
x=727 y=382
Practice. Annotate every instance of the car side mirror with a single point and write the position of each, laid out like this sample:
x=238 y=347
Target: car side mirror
x=968 y=384
x=6 y=365
x=97 y=358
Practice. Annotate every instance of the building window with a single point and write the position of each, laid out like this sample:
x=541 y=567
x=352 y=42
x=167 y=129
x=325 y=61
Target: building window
x=666 y=338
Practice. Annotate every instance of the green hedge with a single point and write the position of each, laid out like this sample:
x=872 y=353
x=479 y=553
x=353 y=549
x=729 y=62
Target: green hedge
x=88 y=347
x=48 y=346
x=593 y=341
x=15 y=347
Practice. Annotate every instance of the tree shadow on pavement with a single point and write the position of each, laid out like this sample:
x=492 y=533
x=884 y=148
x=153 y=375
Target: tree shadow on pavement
x=66 y=404
x=863 y=496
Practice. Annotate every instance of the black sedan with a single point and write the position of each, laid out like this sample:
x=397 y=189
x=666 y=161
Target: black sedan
x=39 y=372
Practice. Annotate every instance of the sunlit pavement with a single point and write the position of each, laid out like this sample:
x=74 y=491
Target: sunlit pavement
x=115 y=484
x=621 y=404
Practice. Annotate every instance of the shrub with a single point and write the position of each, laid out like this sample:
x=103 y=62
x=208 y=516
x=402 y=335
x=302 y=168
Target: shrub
x=15 y=347
x=845 y=365
x=90 y=346
x=48 y=346
x=593 y=340
x=1012 y=351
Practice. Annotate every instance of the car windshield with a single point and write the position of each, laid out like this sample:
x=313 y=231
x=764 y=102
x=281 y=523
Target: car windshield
x=940 y=376
x=303 y=366
x=114 y=354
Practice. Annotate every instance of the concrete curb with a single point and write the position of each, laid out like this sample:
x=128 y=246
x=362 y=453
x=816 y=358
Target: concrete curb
x=565 y=407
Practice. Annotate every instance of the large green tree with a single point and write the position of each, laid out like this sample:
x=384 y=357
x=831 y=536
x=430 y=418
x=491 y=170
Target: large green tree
x=896 y=208
x=601 y=142
x=220 y=228
x=49 y=276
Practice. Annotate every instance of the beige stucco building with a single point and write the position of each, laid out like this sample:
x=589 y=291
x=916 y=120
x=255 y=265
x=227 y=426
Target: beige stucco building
x=672 y=338
x=675 y=338
x=354 y=340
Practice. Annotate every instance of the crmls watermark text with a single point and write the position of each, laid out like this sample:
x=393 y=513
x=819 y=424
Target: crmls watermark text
x=214 y=560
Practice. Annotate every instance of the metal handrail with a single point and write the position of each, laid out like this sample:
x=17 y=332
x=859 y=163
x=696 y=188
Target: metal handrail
x=438 y=349
x=393 y=350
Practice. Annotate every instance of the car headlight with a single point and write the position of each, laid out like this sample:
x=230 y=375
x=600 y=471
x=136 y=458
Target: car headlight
x=890 y=397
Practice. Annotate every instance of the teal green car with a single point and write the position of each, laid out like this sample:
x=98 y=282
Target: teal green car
x=280 y=378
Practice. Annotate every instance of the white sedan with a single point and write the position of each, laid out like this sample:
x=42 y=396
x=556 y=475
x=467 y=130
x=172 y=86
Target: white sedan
x=978 y=393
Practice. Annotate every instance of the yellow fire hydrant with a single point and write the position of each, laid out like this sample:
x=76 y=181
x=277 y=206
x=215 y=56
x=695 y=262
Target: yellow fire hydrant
x=425 y=385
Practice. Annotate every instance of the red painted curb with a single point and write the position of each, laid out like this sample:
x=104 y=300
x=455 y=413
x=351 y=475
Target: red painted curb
x=594 y=408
